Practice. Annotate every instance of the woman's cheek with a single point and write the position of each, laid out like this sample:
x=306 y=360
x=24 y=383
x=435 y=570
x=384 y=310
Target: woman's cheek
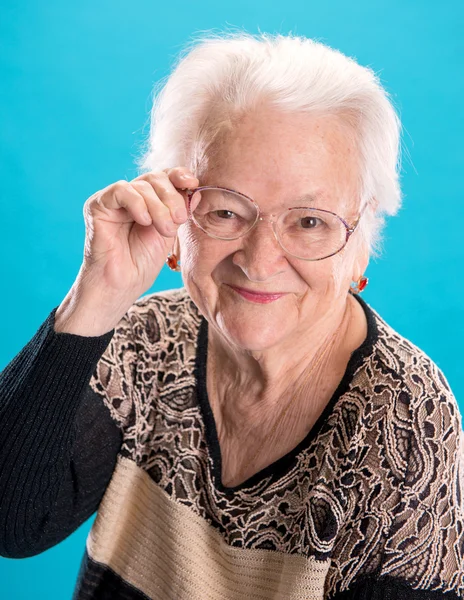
x=339 y=276
x=336 y=275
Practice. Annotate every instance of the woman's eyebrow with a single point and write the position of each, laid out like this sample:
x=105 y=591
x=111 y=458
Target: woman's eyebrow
x=305 y=199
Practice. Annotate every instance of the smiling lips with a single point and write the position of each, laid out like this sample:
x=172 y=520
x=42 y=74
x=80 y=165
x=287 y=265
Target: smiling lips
x=258 y=297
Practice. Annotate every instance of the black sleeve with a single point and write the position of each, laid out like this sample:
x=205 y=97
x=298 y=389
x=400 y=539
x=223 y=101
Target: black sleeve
x=389 y=588
x=58 y=442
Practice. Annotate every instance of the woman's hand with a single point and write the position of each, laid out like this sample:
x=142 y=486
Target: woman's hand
x=130 y=229
x=131 y=226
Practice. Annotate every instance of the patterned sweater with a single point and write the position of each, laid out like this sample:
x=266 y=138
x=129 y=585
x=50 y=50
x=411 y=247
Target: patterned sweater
x=368 y=506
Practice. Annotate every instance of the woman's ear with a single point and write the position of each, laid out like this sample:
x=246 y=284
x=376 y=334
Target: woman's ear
x=361 y=262
x=176 y=247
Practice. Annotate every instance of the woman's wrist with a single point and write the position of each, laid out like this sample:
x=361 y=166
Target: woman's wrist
x=88 y=313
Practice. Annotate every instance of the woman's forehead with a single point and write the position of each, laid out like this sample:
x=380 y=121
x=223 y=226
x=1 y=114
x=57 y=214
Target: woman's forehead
x=319 y=163
x=276 y=133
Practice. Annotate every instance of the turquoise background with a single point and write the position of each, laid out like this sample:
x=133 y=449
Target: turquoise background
x=76 y=81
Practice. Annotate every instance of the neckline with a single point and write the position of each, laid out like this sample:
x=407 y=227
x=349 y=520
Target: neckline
x=279 y=467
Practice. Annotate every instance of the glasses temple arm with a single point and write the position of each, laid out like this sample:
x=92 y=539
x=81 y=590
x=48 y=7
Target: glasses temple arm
x=355 y=224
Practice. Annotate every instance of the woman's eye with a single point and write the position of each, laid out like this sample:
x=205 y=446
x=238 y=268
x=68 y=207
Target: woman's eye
x=224 y=214
x=310 y=222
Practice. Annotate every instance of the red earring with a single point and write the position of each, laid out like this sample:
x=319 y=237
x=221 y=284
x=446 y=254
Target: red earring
x=172 y=262
x=359 y=285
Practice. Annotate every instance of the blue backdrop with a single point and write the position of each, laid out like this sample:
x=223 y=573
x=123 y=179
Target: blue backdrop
x=77 y=79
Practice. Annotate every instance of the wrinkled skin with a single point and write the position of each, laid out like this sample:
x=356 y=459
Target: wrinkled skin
x=275 y=158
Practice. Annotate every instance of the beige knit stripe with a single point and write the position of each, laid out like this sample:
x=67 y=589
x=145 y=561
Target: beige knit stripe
x=199 y=566
x=169 y=552
x=164 y=530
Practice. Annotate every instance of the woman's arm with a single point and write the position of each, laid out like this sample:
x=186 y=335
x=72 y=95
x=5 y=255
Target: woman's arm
x=58 y=442
x=389 y=588
x=409 y=535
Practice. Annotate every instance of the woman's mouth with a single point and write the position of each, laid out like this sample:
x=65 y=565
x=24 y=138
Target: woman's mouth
x=259 y=297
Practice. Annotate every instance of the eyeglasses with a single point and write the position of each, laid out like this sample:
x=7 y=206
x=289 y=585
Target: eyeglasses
x=305 y=233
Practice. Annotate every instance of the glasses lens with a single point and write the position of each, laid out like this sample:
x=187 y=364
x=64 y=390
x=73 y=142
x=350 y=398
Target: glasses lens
x=311 y=233
x=302 y=232
x=223 y=214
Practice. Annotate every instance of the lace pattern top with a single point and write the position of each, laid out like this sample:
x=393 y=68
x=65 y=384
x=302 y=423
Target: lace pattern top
x=368 y=506
x=373 y=490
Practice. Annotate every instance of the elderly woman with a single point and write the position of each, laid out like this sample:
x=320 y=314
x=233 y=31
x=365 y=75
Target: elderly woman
x=260 y=433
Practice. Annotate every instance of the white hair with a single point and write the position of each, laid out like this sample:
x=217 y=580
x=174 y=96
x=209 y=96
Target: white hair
x=220 y=77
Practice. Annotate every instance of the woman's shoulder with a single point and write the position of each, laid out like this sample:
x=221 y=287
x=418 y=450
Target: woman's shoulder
x=164 y=314
x=410 y=373
x=411 y=412
x=166 y=300
x=404 y=357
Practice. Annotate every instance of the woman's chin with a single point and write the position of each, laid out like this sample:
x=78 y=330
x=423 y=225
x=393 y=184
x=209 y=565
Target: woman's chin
x=252 y=330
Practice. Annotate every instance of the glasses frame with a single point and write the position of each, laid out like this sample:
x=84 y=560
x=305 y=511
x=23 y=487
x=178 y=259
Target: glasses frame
x=273 y=218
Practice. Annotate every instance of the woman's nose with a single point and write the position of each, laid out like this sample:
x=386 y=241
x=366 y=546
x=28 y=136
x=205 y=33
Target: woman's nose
x=261 y=256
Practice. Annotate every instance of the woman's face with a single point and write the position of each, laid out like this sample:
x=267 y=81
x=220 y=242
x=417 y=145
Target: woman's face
x=275 y=158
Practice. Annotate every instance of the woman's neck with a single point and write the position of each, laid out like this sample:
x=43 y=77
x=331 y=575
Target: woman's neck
x=247 y=382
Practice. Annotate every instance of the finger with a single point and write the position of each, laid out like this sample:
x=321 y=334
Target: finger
x=159 y=212
x=182 y=177
x=168 y=194
x=122 y=195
